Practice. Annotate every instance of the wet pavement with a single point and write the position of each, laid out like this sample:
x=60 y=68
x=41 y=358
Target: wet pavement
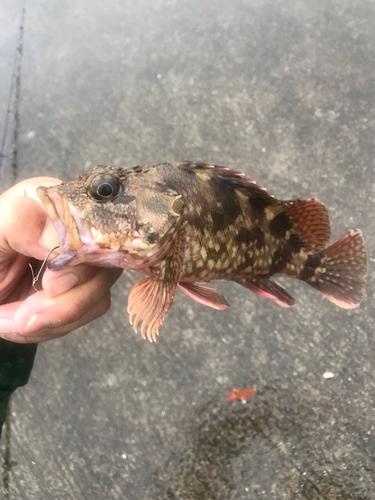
x=282 y=90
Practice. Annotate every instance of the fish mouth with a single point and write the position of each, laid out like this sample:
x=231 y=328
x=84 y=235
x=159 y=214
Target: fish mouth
x=71 y=229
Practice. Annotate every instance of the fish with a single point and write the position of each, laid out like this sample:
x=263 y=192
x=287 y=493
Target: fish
x=184 y=224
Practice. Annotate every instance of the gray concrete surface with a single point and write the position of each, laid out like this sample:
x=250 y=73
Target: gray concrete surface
x=281 y=89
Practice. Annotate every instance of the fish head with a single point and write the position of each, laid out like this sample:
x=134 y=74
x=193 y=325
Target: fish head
x=111 y=218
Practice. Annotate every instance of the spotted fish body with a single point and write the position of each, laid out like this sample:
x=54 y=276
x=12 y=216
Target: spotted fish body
x=238 y=230
x=185 y=224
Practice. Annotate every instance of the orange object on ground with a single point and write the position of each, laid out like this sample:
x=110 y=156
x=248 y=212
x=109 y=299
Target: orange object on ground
x=240 y=394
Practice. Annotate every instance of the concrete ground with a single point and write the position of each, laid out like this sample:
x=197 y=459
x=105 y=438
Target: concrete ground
x=283 y=90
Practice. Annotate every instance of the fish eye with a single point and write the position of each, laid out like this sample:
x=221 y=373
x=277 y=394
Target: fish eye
x=104 y=187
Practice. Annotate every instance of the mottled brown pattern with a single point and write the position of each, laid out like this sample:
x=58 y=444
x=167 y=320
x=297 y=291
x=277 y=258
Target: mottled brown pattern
x=258 y=206
x=279 y=225
x=311 y=264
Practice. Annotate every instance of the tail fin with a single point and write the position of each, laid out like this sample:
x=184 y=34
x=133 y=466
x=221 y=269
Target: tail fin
x=339 y=271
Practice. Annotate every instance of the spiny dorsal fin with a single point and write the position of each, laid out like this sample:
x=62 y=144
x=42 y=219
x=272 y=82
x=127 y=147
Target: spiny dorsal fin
x=236 y=179
x=307 y=220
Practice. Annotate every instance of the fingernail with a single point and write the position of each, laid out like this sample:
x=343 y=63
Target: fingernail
x=7 y=326
x=60 y=285
x=35 y=323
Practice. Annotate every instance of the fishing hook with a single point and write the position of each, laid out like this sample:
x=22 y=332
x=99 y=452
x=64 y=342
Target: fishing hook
x=36 y=278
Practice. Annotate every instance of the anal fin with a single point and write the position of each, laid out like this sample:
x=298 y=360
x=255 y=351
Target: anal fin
x=270 y=289
x=204 y=295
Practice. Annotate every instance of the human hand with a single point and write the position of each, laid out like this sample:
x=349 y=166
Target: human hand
x=70 y=298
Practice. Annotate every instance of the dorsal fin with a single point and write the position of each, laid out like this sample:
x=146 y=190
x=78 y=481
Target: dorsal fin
x=310 y=222
x=236 y=179
x=306 y=221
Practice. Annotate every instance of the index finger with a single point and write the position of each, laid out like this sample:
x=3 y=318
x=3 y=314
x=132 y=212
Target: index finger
x=28 y=188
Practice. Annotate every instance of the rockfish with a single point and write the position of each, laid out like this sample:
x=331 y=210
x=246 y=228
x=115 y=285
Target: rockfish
x=185 y=224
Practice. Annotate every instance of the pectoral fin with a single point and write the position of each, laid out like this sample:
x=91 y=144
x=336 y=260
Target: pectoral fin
x=270 y=289
x=204 y=295
x=151 y=298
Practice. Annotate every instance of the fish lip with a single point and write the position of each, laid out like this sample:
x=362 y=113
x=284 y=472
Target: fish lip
x=69 y=225
x=61 y=261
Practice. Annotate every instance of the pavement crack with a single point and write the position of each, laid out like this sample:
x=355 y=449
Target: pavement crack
x=14 y=93
x=15 y=88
